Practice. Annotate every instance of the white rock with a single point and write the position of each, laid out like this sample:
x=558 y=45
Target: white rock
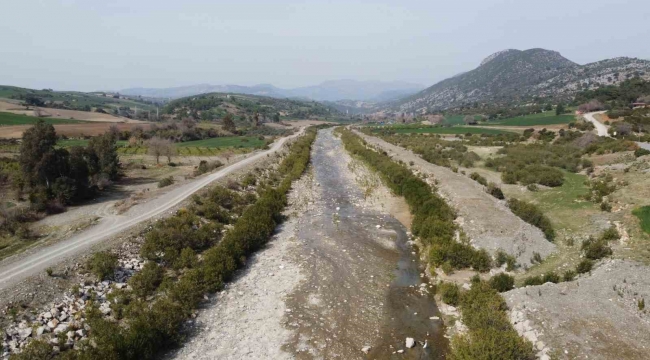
x=365 y=349
x=410 y=342
x=400 y=351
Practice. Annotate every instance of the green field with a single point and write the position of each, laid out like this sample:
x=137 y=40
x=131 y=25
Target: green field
x=82 y=142
x=547 y=118
x=450 y=130
x=16 y=119
x=454 y=120
x=643 y=213
x=226 y=141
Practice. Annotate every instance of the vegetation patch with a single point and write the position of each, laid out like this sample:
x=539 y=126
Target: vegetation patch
x=446 y=130
x=532 y=215
x=17 y=119
x=540 y=119
x=643 y=213
x=226 y=141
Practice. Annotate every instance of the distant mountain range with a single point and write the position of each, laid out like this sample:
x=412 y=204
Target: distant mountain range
x=373 y=91
x=512 y=77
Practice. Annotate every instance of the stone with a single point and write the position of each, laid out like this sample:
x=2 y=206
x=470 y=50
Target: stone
x=400 y=351
x=365 y=349
x=410 y=342
x=53 y=323
x=24 y=333
x=40 y=330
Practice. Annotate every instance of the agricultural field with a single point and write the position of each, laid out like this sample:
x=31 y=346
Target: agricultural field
x=227 y=141
x=643 y=213
x=17 y=119
x=447 y=130
x=546 y=118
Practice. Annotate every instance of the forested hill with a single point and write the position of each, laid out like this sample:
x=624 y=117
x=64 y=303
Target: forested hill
x=215 y=106
x=514 y=77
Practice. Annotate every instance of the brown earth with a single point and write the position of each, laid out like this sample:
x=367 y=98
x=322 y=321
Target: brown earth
x=63 y=113
x=71 y=130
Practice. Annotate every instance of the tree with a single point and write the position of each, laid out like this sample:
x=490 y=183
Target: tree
x=470 y=120
x=103 y=158
x=159 y=147
x=229 y=124
x=559 y=110
x=256 y=119
x=276 y=117
x=38 y=143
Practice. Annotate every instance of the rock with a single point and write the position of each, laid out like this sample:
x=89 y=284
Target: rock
x=70 y=334
x=53 y=323
x=81 y=332
x=410 y=342
x=40 y=330
x=400 y=351
x=365 y=349
x=24 y=333
x=434 y=318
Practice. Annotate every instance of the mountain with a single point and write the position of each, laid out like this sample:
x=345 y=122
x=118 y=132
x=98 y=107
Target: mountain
x=512 y=77
x=326 y=91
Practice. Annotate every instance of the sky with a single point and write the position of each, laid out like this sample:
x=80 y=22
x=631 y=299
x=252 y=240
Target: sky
x=91 y=45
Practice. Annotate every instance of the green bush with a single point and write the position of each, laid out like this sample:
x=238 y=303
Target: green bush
x=504 y=258
x=595 y=249
x=502 y=282
x=478 y=178
x=584 y=266
x=146 y=281
x=495 y=191
x=102 y=264
x=532 y=215
x=490 y=335
x=533 y=280
x=610 y=234
x=449 y=293
x=569 y=275
x=605 y=206
x=641 y=152
x=166 y=181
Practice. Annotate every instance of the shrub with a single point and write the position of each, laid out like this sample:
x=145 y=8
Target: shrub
x=551 y=277
x=502 y=282
x=495 y=191
x=533 y=280
x=187 y=259
x=537 y=258
x=166 y=181
x=102 y=265
x=610 y=234
x=641 y=152
x=490 y=335
x=641 y=304
x=532 y=215
x=49 y=271
x=532 y=187
x=449 y=293
x=205 y=167
x=478 y=178
x=569 y=275
x=595 y=249
x=605 y=206
x=146 y=281
x=584 y=266
x=249 y=180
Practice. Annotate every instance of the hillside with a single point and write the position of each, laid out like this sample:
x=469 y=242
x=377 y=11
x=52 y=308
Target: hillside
x=216 y=105
x=326 y=91
x=513 y=76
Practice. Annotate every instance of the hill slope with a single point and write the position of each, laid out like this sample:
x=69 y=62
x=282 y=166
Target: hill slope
x=326 y=91
x=215 y=106
x=514 y=76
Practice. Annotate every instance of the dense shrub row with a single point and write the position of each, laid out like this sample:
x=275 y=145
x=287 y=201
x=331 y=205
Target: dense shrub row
x=149 y=327
x=532 y=215
x=432 y=217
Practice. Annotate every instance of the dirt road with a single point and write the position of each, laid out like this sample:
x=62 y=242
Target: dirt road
x=17 y=268
x=338 y=278
x=600 y=127
x=487 y=221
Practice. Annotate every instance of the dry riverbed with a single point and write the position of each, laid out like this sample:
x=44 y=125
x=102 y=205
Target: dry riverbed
x=339 y=280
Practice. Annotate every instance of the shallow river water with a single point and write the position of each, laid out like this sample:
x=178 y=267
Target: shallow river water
x=363 y=286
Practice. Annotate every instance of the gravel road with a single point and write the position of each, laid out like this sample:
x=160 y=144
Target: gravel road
x=20 y=267
x=338 y=277
x=487 y=221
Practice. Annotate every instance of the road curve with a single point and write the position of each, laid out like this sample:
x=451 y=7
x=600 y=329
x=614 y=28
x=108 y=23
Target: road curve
x=16 y=270
x=600 y=127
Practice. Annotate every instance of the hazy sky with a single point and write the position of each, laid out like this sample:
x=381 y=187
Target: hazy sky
x=115 y=44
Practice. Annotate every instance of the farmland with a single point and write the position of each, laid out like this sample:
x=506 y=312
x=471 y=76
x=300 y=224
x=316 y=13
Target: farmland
x=228 y=141
x=445 y=130
x=643 y=213
x=16 y=119
x=547 y=118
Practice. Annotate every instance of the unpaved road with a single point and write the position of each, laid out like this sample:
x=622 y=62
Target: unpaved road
x=17 y=268
x=337 y=277
x=600 y=127
x=487 y=221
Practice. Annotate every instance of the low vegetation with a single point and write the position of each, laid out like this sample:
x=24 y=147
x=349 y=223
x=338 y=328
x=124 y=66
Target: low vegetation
x=643 y=213
x=532 y=215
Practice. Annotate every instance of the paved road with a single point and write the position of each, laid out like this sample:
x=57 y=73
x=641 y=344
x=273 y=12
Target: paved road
x=15 y=270
x=600 y=127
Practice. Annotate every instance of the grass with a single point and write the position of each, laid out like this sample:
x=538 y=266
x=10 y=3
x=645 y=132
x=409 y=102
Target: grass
x=546 y=118
x=82 y=142
x=450 y=130
x=454 y=120
x=17 y=119
x=643 y=213
x=226 y=141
